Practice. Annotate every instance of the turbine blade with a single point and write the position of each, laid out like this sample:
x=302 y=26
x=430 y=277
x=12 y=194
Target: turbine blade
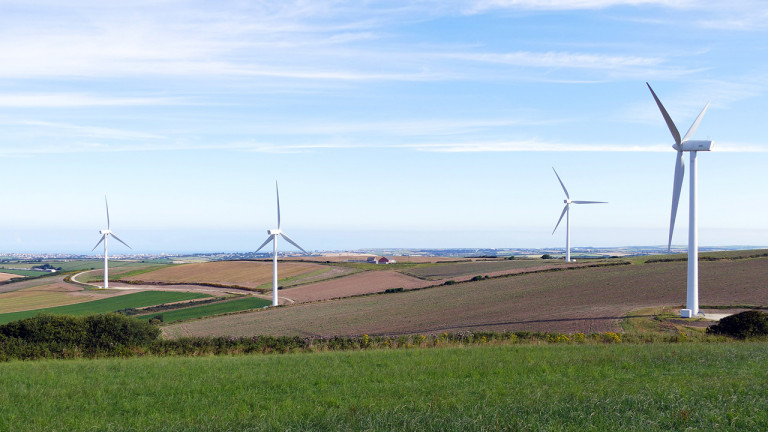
x=269 y=239
x=565 y=209
x=97 y=244
x=667 y=118
x=677 y=186
x=589 y=202
x=277 y=192
x=561 y=184
x=107 y=205
x=695 y=124
x=118 y=239
x=293 y=242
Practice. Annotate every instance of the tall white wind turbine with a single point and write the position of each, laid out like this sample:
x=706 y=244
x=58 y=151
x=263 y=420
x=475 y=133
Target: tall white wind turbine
x=691 y=146
x=104 y=234
x=567 y=211
x=273 y=233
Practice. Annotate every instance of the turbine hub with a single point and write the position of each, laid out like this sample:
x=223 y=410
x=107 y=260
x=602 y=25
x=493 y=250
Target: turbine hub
x=275 y=231
x=102 y=232
x=567 y=201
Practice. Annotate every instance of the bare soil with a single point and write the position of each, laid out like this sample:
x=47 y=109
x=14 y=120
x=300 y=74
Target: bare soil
x=356 y=284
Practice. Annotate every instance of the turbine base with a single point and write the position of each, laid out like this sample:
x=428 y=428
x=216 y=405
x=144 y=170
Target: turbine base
x=686 y=313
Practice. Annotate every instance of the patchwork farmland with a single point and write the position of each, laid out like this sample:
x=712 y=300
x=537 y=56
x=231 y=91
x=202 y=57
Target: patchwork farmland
x=585 y=299
x=342 y=298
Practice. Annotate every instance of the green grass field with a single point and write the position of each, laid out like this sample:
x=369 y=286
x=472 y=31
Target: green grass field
x=529 y=388
x=111 y=304
x=25 y=273
x=219 y=308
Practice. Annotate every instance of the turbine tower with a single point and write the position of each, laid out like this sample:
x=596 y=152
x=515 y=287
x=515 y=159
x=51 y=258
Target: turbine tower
x=273 y=233
x=104 y=234
x=691 y=146
x=567 y=211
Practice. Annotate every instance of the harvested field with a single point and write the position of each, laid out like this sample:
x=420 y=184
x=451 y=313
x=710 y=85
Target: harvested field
x=584 y=299
x=451 y=270
x=360 y=283
x=54 y=293
x=8 y=276
x=249 y=274
x=97 y=275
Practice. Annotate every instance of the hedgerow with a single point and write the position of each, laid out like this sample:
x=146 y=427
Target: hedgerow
x=116 y=335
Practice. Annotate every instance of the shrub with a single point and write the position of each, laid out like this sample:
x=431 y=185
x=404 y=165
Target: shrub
x=546 y=256
x=742 y=325
x=93 y=332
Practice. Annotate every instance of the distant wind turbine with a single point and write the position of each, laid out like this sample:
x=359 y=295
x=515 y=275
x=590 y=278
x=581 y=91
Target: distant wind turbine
x=104 y=234
x=273 y=233
x=567 y=211
x=692 y=146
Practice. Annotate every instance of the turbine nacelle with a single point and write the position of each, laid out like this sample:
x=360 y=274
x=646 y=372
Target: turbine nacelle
x=274 y=232
x=694 y=145
x=103 y=232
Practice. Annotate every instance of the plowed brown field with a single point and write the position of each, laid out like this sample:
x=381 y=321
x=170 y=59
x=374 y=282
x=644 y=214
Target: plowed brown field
x=360 y=283
x=584 y=299
x=248 y=274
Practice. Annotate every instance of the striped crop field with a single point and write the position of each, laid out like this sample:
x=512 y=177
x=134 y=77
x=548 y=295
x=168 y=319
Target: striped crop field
x=249 y=274
x=110 y=304
x=218 y=308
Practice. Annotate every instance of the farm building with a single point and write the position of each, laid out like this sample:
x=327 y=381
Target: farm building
x=381 y=260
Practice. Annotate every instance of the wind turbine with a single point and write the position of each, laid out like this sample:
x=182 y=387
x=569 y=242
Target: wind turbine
x=273 y=233
x=691 y=146
x=567 y=210
x=104 y=234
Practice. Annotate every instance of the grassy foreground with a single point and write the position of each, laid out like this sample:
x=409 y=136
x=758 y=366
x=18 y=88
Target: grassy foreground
x=692 y=386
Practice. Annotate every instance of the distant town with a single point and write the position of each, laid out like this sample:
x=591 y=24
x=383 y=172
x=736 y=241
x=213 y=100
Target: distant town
x=582 y=252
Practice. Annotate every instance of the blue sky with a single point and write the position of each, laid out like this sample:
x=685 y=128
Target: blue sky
x=387 y=124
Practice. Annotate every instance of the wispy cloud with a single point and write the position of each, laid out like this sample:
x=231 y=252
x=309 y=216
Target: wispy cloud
x=299 y=40
x=78 y=100
x=559 y=59
x=540 y=146
x=484 y=5
x=83 y=131
x=530 y=146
